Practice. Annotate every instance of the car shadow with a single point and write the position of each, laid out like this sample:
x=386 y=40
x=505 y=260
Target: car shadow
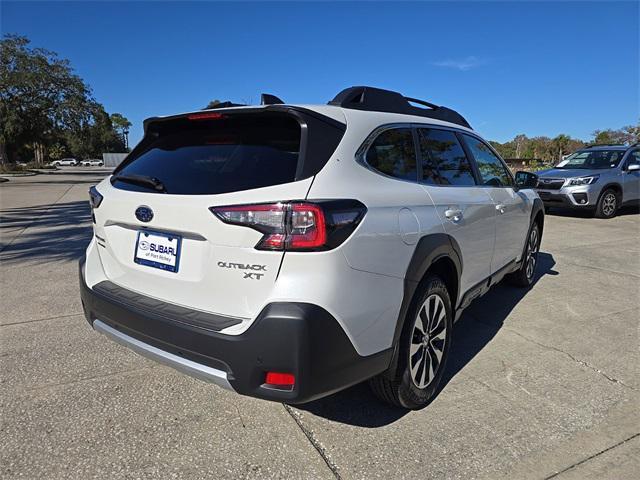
x=46 y=233
x=568 y=212
x=85 y=181
x=480 y=322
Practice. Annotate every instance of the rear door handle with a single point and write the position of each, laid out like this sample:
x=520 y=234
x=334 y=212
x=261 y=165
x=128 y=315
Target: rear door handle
x=453 y=214
x=500 y=208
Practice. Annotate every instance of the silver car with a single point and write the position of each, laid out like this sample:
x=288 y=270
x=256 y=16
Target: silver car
x=600 y=178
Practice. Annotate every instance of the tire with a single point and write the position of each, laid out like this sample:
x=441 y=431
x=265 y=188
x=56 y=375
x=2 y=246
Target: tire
x=525 y=275
x=415 y=382
x=608 y=204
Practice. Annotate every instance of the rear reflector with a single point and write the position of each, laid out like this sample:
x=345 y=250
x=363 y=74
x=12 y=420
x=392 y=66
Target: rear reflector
x=277 y=379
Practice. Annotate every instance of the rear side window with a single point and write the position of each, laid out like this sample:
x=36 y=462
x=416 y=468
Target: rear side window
x=220 y=155
x=443 y=159
x=393 y=154
x=493 y=173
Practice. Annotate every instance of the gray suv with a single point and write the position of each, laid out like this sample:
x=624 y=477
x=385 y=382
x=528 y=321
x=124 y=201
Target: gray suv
x=600 y=178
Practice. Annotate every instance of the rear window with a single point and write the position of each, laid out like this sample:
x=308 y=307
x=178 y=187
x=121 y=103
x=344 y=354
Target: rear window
x=213 y=156
x=393 y=154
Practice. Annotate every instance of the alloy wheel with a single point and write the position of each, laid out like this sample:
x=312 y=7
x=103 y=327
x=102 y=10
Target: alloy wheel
x=609 y=204
x=532 y=253
x=428 y=341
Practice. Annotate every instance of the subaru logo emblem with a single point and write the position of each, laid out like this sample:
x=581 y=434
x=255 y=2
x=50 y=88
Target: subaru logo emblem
x=144 y=214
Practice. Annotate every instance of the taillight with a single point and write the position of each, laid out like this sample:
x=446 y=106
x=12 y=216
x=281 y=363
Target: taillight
x=267 y=218
x=307 y=227
x=301 y=226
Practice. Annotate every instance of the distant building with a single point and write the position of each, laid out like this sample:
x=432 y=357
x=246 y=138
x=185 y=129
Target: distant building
x=113 y=159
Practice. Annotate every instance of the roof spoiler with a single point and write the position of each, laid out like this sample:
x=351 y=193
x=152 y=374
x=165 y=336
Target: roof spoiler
x=226 y=104
x=379 y=100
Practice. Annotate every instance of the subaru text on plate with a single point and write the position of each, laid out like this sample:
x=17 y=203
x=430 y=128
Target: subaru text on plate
x=287 y=252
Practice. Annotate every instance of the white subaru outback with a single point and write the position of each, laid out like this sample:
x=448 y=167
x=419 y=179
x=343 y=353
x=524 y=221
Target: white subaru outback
x=287 y=252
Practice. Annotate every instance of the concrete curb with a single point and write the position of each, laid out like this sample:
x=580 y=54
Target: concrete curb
x=47 y=171
x=21 y=174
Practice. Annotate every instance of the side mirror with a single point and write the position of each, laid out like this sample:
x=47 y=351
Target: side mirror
x=634 y=167
x=526 y=179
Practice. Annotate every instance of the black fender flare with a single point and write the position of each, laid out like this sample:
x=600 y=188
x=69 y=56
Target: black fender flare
x=536 y=208
x=429 y=250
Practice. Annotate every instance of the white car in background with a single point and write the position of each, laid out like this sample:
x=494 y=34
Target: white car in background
x=65 y=162
x=92 y=162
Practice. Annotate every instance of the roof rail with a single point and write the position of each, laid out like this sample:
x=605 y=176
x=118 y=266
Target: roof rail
x=268 y=99
x=379 y=100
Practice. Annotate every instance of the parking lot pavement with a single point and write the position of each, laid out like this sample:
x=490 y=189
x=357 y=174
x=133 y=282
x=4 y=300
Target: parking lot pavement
x=541 y=384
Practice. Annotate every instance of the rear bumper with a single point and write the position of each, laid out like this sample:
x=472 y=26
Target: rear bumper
x=298 y=338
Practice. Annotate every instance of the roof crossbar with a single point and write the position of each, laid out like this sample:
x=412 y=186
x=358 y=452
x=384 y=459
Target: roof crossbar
x=379 y=100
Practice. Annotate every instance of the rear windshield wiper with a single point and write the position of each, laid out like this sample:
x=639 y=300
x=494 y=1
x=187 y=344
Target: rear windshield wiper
x=142 y=180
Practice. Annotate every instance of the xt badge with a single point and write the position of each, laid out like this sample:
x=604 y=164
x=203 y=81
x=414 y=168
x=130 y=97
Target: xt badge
x=253 y=269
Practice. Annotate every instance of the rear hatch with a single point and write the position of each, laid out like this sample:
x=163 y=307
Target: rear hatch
x=156 y=233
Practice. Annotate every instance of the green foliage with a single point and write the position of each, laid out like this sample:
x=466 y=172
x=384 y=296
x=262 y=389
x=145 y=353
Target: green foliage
x=544 y=150
x=120 y=122
x=625 y=135
x=44 y=104
x=57 y=151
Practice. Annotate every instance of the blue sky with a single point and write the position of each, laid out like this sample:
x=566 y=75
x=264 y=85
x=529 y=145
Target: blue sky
x=539 y=68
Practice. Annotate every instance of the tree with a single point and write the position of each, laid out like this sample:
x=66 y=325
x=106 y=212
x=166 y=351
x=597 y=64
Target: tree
x=44 y=104
x=632 y=133
x=57 y=151
x=95 y=137
x=603 y=137
x=39 y=93
x=626 y=135
x=561 y=145
x=520 y=142
x=121 y=125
